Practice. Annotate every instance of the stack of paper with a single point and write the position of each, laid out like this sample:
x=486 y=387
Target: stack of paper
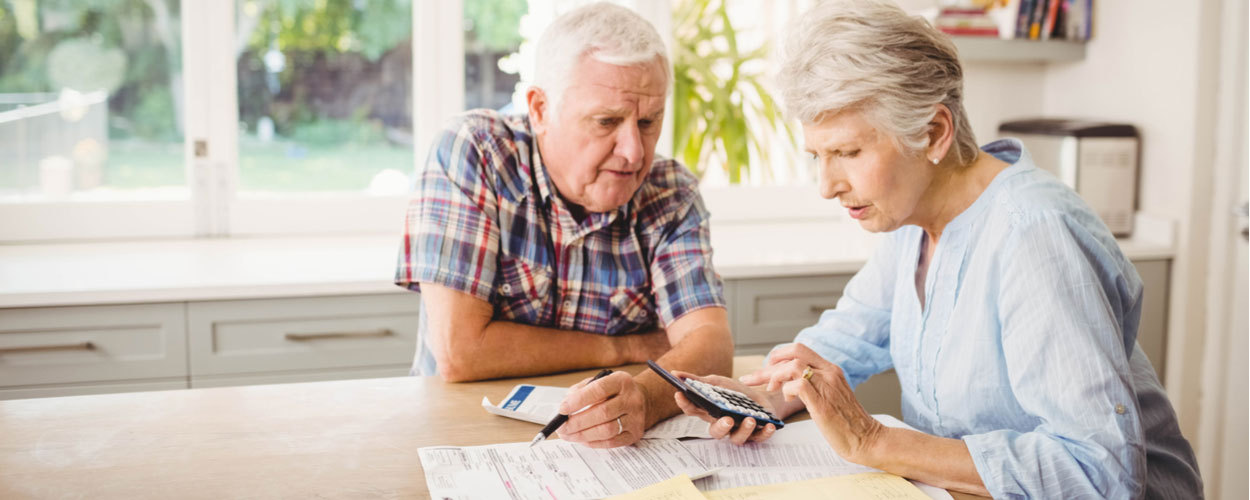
x=866 y=486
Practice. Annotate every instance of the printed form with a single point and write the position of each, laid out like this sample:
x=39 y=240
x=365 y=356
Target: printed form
x=553 y=469
x=795 y=452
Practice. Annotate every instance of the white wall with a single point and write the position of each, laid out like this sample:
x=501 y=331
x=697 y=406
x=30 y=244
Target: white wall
x=1144 y=67
x=994 y=93
x=1155 y=64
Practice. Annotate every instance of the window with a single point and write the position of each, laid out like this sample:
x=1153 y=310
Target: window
x=91 y=106
x=177 y=118
x=324 y=97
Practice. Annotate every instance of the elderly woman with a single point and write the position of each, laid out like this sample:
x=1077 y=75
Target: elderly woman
x=998 y=296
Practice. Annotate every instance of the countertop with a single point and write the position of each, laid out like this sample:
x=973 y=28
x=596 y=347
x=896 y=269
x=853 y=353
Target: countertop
x=250 y=268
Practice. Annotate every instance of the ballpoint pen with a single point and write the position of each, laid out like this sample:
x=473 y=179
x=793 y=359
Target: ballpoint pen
x=559 y=420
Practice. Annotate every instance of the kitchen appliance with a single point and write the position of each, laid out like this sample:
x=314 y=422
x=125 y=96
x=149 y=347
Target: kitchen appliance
x=1098 y=160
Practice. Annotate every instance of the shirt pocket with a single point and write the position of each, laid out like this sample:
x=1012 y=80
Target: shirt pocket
x=522 y=291
x=632 y=311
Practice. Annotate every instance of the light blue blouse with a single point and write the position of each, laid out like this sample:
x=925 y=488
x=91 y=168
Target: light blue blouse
x=1027 y=347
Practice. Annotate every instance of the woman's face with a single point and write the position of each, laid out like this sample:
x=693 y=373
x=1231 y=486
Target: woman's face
x=880 y=186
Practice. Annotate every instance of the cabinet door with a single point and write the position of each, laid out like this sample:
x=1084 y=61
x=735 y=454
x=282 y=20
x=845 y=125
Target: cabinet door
x=771 y=311
x=1152 y=332
x=93 y=344
x=285 y=336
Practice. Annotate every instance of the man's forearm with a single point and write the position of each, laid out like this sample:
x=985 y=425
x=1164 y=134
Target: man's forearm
x=508 y=349
x=705 y=349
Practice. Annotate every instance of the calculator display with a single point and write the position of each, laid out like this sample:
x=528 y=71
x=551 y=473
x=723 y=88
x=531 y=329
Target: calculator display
x=719 y=401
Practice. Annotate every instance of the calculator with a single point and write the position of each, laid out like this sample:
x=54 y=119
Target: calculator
x=719 y=401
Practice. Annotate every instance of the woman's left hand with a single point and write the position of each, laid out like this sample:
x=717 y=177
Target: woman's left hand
x=842 y=420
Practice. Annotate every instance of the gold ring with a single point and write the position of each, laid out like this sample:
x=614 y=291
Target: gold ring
x=807 y=373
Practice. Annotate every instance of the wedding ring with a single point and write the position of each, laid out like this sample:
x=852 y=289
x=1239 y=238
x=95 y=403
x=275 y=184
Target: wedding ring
x=620 y=428
x=807 y=373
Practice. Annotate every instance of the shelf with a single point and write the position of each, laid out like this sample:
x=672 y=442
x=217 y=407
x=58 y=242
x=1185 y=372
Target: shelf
x=997 y=50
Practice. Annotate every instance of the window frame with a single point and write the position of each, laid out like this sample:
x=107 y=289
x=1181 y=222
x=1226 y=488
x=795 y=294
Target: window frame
x=215 y=208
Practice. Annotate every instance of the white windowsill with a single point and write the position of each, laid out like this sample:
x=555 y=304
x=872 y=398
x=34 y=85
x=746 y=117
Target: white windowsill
x=253 y=268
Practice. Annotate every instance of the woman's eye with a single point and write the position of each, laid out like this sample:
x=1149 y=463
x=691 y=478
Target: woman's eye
x=849 y=154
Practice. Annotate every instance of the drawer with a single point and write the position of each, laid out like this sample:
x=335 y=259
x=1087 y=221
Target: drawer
x=301 y=376
x=57 y=390
x=315 y=333
x=771 y=311
x=57 y=345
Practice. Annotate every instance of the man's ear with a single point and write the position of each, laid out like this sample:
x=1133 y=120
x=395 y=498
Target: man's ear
x=539 y=107
x=941 y=133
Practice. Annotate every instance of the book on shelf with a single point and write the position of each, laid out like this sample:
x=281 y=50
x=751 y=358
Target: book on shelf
x=966 y=22
x=1048 y=19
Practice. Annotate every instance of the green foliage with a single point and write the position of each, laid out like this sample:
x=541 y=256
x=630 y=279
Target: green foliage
x=89 y=44
x=332 y=26
x=329 y=132
x=721 y=109
x=153 y=117
x=495 y=22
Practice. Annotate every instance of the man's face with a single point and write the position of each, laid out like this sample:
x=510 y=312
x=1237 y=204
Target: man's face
x=599 y=145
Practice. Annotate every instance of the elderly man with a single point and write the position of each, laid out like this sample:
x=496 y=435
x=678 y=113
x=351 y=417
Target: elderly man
x=557 y=241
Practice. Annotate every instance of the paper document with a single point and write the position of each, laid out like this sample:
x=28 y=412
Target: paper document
x=677 y=488
x=867 y=486
x=553 y=469
x=531 y=403
x=680 y=426
x=539 y=404
x=795 y=452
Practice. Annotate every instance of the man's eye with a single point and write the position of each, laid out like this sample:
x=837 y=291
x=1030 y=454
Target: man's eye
x=814 y=156
x=606 y=122
x=645 y=124
x=849 y=154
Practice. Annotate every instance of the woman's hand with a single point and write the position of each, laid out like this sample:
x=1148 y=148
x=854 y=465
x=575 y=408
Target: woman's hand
x=724 y=427
x=849 y=429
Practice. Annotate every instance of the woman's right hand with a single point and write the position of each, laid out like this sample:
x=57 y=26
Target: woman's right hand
x=724 y=427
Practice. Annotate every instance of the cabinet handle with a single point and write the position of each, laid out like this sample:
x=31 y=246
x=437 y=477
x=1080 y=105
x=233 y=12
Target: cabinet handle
x=300 y=337
x=81 y=346
x=818 y=309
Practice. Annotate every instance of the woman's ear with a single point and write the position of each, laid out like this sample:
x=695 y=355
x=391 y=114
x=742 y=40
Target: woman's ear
x=539 y=107
x=941 y=134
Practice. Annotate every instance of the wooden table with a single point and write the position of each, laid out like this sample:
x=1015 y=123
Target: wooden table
x=341 y=439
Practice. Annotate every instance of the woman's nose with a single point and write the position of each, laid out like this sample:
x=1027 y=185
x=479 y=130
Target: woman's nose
x=831 y=181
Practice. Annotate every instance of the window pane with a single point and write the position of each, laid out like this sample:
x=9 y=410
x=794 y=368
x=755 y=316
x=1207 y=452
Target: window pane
x=491 y=34
x=325 y=95
x=90 y=100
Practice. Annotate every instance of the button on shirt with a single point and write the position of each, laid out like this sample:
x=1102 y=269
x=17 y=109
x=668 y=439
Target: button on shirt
x=1025 y=349
x=487 y=221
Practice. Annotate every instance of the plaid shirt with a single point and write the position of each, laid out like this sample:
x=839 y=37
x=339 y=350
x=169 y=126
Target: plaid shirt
x=487 y=221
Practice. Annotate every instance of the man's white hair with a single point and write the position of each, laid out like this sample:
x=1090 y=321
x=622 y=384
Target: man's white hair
x=871 y=56
x=607 y=32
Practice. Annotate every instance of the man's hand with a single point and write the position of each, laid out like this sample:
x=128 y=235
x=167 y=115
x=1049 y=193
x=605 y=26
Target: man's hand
x=724 y=427
x=605 y=413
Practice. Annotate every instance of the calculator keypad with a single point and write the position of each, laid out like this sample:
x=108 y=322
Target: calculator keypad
x=731 y=400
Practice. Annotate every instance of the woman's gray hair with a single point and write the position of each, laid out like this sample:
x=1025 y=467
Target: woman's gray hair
x=607 y=32
x=871 y=56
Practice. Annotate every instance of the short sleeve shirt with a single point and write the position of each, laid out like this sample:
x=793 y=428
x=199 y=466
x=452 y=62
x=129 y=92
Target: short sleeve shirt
x=486 y=220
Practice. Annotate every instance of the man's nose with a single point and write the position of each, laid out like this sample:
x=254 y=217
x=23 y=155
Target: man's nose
x=629 y=143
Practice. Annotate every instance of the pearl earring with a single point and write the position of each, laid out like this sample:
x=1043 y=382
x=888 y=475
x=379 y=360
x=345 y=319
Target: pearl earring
x=934 y=160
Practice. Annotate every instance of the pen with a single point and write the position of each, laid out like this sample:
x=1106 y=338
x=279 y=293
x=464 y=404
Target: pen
x=559 y=420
